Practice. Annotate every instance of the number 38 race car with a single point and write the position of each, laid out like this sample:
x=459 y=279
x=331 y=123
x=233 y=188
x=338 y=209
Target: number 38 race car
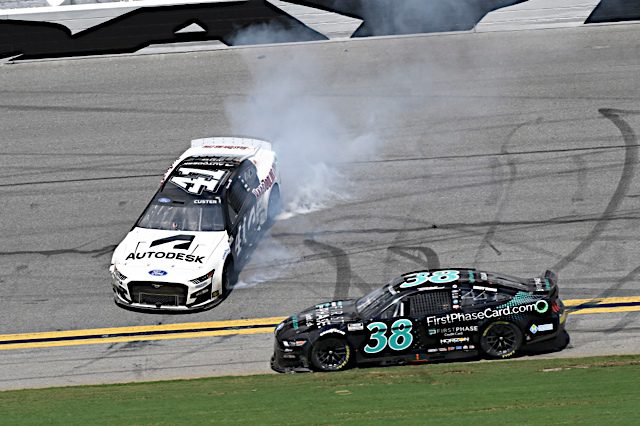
x=426 y=316
x=183 y=251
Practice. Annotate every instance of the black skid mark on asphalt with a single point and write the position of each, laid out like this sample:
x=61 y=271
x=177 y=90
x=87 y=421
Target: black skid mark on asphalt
x=85 y=109
x=581 y=178
x=94 y=253
x=344 y=275
x=454 y=187
x=462 y=226
x=494 y=154
x=495 y=190
x=504 y=192
x=628 y=172
x=429 y=261
x=57 y=182
x=114 y=348
x=424 y=226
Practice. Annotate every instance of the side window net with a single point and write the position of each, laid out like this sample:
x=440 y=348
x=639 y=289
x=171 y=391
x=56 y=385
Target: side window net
x=429 y=303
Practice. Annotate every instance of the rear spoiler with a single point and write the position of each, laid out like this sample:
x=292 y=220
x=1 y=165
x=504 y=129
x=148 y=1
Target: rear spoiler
x=222 y=141
x=550 y=276
x=547 y=283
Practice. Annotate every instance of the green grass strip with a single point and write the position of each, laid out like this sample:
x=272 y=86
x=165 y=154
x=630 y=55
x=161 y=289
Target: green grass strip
x=584 y=391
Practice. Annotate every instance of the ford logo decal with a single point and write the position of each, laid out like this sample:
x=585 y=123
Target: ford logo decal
x=158 y=273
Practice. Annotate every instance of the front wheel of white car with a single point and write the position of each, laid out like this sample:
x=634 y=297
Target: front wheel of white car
x=228 y=277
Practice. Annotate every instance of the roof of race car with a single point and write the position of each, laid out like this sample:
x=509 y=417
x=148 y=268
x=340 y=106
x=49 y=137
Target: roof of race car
x=438 y=279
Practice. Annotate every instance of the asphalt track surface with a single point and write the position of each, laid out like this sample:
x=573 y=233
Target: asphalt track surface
x=510 y=151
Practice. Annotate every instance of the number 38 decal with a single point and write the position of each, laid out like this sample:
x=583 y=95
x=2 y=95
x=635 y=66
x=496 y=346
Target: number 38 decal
x=438 y=277
x=400 y=339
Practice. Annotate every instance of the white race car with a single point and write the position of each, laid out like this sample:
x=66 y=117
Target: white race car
x=182 y=253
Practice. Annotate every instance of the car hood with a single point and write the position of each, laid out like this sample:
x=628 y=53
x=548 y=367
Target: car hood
x=152 y=249
x=325 y=314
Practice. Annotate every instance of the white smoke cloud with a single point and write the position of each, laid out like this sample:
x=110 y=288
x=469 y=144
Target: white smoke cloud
x=269 y=33
x=268 y=262
x=305 y=128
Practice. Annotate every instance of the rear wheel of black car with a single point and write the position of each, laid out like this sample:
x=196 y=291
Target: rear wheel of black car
x=330 y=354
x=501 y=339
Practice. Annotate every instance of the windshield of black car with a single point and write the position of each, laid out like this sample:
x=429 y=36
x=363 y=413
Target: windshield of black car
x=186 y=217
x=370 y=304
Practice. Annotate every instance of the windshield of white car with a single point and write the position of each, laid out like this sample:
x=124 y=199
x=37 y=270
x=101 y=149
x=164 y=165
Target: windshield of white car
x=370 y=304
x=183 y=218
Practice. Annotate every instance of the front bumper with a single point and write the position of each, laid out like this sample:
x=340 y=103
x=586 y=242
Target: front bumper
x=289 y=360
x=170 y=297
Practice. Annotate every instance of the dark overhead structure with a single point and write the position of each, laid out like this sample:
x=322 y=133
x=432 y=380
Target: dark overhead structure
x=615 y=11
x=258 y=22
x=396 y=17
x=234 y=23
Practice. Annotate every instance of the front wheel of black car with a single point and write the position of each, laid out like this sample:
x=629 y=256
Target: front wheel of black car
x=330 y=355
x=501 y=339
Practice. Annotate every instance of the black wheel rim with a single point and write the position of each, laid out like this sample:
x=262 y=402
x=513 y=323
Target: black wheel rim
x=332 y=355
x=501 y=339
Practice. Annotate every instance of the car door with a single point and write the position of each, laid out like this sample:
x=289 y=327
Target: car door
x=399 y=331
x=429 y=310
x=242 y=208
x=388 y=335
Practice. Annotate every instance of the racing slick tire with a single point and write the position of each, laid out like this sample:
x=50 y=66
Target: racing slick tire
x=275 y=204
x=330 y=354
x=229 y=277
x=501 y=339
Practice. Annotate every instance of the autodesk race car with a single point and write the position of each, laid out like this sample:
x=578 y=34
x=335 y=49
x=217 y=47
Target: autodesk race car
x=212 y=203
x=426 y=316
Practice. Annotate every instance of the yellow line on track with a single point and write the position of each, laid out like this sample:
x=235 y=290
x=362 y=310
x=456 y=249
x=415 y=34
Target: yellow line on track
x=104 y=340
x=223 y=328
x=577 y=302
x=141 y=329
x=605 y=310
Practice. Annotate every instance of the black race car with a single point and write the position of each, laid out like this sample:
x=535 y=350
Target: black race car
x=426 y=316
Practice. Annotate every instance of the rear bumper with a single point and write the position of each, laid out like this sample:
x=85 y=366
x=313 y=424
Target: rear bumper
x=552 y=342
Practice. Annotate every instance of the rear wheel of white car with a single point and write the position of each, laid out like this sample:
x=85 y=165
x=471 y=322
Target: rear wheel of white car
x=275 y=204
x=330 y=354
x=501 y=339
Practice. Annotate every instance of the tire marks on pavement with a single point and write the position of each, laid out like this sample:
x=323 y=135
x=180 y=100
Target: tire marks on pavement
x=622 y=189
